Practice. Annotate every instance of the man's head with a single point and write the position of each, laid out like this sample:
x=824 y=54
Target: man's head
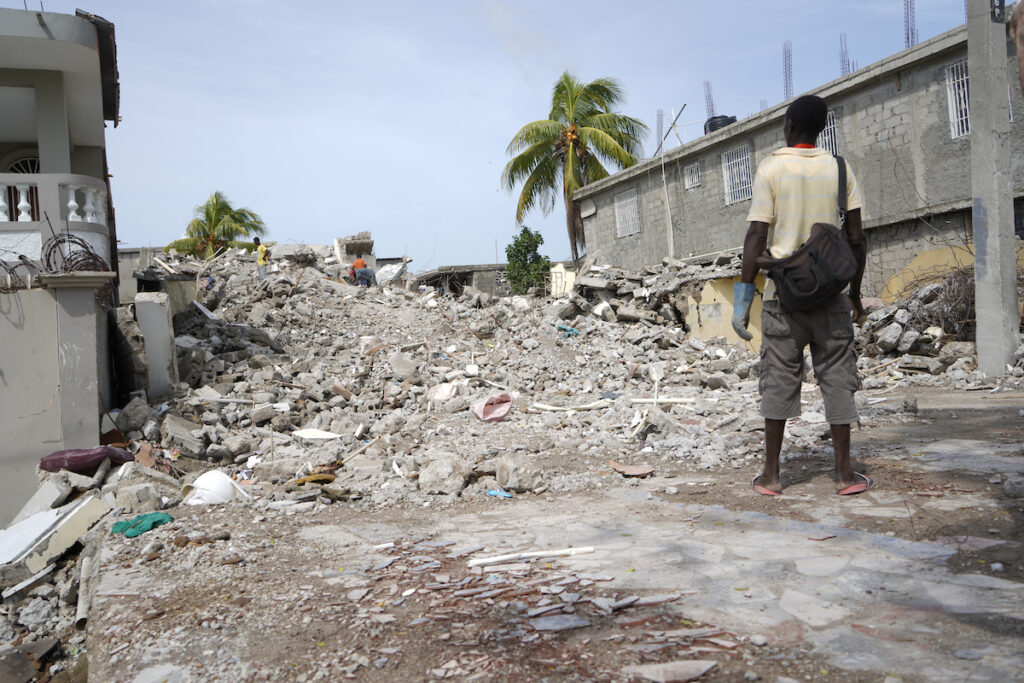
x=256 y=241
x=805 y=119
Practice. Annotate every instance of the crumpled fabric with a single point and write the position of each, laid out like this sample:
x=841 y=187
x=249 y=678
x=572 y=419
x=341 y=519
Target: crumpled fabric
x=141 y=524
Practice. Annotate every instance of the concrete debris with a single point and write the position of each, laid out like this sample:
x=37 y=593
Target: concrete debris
x=301 y=391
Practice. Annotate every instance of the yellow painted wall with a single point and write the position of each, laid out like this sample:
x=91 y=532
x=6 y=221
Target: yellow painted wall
x=715 y=312
x=932 y=264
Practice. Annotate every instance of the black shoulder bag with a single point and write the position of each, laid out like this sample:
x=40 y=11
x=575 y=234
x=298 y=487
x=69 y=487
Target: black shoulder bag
x=818 y=270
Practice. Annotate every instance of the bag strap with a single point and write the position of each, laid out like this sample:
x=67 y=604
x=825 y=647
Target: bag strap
x=842 y=193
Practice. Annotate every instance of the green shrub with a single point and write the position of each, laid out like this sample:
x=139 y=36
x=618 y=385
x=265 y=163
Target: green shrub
x=526 y=267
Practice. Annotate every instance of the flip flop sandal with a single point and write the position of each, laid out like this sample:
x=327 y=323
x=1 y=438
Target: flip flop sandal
x=859 y=487
x=761 y=489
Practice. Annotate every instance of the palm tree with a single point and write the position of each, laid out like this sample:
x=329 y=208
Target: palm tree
x=217 y=224
x=571 y=147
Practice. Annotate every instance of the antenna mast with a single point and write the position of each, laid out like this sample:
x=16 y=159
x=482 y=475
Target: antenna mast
x=661 y=129
x=787 y=69
x=709 y=100
x=844 y=56
x=909 y=24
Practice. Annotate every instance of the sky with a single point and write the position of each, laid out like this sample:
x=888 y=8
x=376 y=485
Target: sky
x=329 y=118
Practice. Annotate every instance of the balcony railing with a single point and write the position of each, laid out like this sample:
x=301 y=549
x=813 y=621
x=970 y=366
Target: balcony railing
x=26 y=197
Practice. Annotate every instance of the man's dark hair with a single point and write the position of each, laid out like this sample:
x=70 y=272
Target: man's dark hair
x=256 y=241
x=808 y=114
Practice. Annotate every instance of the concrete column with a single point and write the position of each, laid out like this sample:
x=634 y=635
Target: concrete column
x=153 y=312
x=52 y=124
x=78 y=351
x=995 y=267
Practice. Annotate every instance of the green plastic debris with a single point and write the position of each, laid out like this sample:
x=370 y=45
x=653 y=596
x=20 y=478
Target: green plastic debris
x=142 y=524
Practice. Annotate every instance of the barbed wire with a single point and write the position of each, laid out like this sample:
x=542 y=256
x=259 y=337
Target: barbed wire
x=66 y=253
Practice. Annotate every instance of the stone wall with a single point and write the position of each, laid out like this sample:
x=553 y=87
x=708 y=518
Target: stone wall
x=892 y=125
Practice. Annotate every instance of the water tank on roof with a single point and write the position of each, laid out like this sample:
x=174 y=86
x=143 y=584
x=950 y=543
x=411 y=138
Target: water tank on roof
x=716 y=122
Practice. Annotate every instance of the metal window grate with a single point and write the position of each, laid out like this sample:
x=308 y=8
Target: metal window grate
x=691 y=176
x=627 y=213
x=828 y=139
x=958 y=99
x=737 y=176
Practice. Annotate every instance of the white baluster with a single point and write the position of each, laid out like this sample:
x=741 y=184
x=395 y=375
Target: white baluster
x=73 y=214
x=90 y=205
x=4 y=216
x=101 y=207
x=24 y=208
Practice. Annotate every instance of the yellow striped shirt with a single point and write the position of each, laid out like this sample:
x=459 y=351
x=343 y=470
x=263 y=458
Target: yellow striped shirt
x=793 y=190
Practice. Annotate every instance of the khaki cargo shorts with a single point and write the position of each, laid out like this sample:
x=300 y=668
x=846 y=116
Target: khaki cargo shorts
x=829 y=332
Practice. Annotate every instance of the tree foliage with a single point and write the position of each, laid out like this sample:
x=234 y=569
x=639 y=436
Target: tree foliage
x=217 y=224
x=526 y=267
x=571 y=148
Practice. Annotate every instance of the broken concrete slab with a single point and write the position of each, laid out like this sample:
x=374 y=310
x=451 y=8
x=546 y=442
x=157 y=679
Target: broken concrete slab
x=50 y=494
x=445 y=474
x=153 y=312
x=30 y=545
x=679 y=671
x=178 y=433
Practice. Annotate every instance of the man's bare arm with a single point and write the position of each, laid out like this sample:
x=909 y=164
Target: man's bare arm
x=859 y=245
x=754 y=245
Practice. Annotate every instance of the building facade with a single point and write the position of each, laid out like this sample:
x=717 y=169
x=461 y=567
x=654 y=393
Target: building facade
x=58 y=84
x=903 y=124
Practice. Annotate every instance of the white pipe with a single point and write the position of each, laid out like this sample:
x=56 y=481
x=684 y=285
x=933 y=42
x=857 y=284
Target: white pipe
x=497 y=559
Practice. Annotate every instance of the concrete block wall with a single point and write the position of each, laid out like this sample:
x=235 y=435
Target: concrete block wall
x=892 y=247
x=892 y=125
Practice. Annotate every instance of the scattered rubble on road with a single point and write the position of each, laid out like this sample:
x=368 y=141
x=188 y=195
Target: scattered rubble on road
x=304 y=392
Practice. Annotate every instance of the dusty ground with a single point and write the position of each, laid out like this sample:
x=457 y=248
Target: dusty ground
x=898 y=581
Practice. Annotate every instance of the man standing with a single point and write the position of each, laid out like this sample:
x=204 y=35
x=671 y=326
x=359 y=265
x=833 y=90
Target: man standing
x=796 y=187
x=262 y=258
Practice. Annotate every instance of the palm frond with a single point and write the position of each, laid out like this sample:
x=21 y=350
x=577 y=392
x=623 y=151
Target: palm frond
x=593 y=169
x=532 y=133
x=522 y=165
x=601 y=143
x=625 y=126
x=186 y=245
x=605 y=92
x=539 y=189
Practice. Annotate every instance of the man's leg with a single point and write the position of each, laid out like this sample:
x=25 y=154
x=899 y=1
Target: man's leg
x=841 y=444
x=782 y=364
x=835 y=366
x=773 y=434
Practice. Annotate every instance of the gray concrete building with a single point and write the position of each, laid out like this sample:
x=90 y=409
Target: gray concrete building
x=903 y=124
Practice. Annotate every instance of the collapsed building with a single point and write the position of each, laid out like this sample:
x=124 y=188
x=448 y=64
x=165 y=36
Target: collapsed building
x=287 y=395
x=300 y=391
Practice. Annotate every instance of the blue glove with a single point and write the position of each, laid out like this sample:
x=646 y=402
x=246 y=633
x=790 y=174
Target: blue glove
x=742 y=299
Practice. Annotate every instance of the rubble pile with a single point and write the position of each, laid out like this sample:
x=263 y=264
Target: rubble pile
x=301 y=391
x=654 y=295
x=922 y=337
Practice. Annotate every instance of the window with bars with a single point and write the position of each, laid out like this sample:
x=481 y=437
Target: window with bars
x=737 y=175
x=958 y=99
x=627 y=213
x=827 y=139
x=691 y=175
